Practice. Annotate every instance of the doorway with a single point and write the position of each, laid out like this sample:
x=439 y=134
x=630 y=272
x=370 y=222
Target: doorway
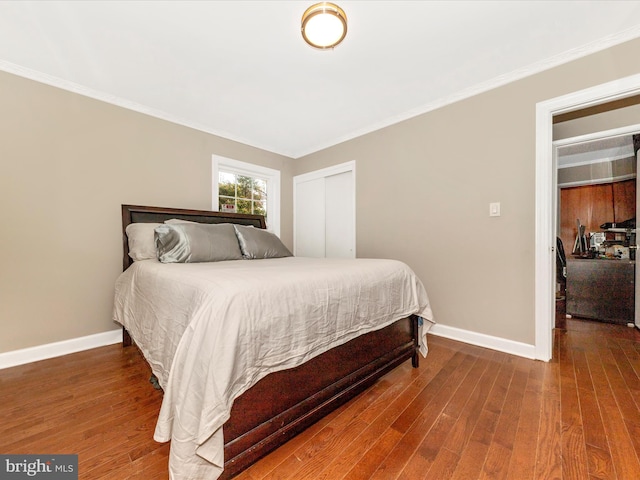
x=546 y=200
x=596 y=184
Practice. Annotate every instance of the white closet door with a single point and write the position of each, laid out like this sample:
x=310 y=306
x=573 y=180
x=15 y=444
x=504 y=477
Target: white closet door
x=325 y=212
x=309 y=218
x=339 y=216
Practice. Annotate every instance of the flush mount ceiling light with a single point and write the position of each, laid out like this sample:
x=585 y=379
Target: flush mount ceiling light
x=324 y=25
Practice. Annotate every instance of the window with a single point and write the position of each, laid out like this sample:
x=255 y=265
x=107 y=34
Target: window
x=244 y=194
x=247 y=188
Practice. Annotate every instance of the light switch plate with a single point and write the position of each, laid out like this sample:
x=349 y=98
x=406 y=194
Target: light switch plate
x=494 y=209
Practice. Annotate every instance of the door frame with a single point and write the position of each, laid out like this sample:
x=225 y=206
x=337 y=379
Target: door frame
x=545 y=182
x=636 y=319
x=323 y=173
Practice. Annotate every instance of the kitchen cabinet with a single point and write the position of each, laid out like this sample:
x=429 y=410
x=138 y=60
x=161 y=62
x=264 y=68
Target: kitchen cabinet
x=594 y=205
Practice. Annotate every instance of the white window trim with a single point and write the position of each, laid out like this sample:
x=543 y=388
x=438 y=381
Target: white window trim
x=271 y=175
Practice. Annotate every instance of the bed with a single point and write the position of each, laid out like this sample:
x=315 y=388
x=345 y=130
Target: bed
x=217 y=436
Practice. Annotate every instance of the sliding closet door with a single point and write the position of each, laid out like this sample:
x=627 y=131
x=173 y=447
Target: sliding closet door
x=324 y=213
x=309 y=218
x=339 y=215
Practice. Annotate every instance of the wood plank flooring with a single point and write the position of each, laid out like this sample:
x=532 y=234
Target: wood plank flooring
x=466 y=413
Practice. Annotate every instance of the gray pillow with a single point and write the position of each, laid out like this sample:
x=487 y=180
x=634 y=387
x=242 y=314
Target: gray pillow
x=258 y=243
x=196 y=242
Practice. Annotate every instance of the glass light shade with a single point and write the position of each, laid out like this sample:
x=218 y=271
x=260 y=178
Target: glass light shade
x=324 y=25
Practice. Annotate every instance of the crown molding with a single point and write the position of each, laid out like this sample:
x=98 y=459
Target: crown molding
x=626 y=156
x=499 y=81
x=597 y=181
x=127 y=104
x=496 y=82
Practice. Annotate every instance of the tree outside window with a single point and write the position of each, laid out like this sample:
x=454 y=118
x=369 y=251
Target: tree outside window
x=247 y=189
x=247 y=194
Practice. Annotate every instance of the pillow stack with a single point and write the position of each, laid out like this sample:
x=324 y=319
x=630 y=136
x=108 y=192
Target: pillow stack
x=182 y=241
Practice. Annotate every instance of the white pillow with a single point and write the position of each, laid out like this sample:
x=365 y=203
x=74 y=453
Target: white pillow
x=141 y=241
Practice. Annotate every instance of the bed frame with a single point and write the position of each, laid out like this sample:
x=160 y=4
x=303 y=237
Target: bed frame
x=283 y=404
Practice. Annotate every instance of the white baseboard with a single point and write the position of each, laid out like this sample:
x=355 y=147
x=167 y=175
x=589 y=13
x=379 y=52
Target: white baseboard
x=482 y=340
x=57 y=349
x=65 y=347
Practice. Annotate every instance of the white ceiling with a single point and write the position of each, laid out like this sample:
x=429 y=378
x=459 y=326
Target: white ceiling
x=240 y=69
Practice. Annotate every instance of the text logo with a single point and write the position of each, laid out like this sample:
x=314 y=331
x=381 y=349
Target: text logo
x=44 y=467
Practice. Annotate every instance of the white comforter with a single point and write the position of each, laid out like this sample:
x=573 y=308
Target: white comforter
x=212 y=330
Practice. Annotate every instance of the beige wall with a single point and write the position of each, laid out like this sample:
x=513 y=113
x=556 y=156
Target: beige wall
x=424 y=187
x=68 y=163
x=600 y=122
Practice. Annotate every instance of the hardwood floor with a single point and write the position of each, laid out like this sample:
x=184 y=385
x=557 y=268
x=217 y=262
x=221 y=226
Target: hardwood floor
x=466 y=413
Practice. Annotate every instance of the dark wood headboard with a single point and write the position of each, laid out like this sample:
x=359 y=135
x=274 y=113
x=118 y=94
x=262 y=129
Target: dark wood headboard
x=141 y=214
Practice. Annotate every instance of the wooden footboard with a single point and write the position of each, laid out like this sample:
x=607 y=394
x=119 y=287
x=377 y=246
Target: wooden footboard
x=285 y=403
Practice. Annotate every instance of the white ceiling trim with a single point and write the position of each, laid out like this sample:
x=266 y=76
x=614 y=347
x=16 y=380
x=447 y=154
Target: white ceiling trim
x=121 y=102
x=501 y=80
x=599 y=181
x=546 y=64
x=603 y=159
